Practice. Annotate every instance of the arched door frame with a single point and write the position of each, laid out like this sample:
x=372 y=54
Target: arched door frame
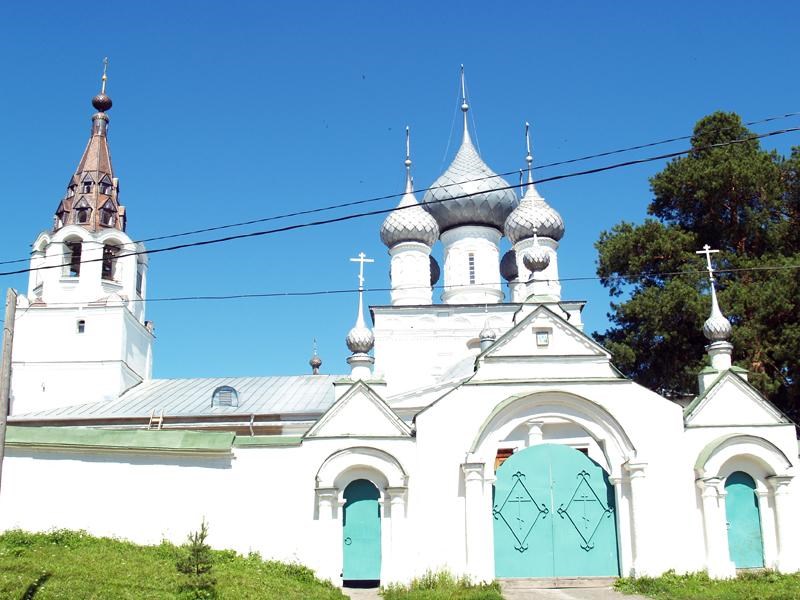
x=772 y=471
x=626 y=471
x=386 y=473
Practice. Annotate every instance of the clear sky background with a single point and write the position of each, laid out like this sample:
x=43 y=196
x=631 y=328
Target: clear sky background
x=229 y=111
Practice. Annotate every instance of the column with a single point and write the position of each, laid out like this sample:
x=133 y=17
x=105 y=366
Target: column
x=636 y=474
x=395 y=566
x=535 y=435
x=625 y=539
x=783 y=523
x=477 y=544
x=330 y=535
x=718 y=562
x=767 y=516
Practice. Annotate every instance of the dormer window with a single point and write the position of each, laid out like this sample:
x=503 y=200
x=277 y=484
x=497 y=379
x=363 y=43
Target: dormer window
x=71 y=190
x=225 y=395
x=61 y=216
x=82 y=211
x=108 y=214
x=86 y=184
x=105 y=186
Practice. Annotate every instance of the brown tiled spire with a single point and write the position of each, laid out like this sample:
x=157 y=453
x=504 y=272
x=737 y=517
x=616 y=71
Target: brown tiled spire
x=91 y=199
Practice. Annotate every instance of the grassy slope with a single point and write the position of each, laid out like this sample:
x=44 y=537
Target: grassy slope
x=697 y=586
x=89 y=568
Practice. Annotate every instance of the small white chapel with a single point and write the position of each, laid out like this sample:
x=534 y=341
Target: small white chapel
x=476 y=426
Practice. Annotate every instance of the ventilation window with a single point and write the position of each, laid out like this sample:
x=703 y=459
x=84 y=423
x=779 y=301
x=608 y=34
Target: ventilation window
x=110 y=262
x=108 y=214
x=81 y=326
x=105 y=186
x=225 y=395
x=471 y=267
x=72 y=264
x=86 y=187
x=82 y=211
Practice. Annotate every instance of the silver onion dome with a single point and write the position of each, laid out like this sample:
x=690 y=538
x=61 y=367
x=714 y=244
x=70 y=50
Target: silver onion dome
x=533 y=216
x=411 y=223
x=487 y=333
x=717 y=327
x=536 y=259
x=360 y=339
x=469 y=193
x=436 y=272
x=508 y=266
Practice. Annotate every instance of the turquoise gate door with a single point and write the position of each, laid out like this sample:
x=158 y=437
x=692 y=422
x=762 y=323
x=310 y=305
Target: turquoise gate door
x=554 y=515
x=744 y=521
x=361 y=532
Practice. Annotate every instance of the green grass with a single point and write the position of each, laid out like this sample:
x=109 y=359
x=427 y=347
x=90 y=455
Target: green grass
x=764 y=585
x=72 y=565
x=441 y=586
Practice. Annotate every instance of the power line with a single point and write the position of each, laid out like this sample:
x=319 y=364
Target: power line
x=309 y=293
x=349 y=217
x=396 y=195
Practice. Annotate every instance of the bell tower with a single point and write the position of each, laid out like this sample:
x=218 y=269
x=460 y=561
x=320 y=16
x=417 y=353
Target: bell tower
x=81 y=334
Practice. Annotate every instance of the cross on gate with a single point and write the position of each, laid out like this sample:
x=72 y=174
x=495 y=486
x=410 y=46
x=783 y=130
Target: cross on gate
x=519 y=499
x=362 y=258
x=585 y=498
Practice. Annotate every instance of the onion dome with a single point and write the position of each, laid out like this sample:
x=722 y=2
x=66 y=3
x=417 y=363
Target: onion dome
x=508 y=266
x=536 y=258
x=487 y=333
x=717 y=327
x=533 y=215
x=315 y=362
x=101 y=102
x=409 y=222
x=360 y=339
x=469 y=192
x=436 y=272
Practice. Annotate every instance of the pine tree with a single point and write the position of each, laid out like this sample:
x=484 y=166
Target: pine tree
x=196 y=564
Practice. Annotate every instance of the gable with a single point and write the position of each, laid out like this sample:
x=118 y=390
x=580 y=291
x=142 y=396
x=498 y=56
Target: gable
x=360 y=412
x=543 y=333
x=732 y=401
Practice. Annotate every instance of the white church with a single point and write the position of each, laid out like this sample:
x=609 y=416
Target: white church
x=482 y=431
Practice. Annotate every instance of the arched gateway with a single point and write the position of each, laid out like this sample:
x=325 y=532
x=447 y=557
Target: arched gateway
x=554 y=515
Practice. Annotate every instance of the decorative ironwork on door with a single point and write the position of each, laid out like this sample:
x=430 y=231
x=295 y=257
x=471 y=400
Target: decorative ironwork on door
x=520 y=512
x=585 y=510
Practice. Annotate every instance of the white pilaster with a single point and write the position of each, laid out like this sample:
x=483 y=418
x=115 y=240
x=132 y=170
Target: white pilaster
x=329 y=561
x=476 y=280
x=718 y=562
x=639 y=539
x=787 y=561
x=625 y=539
x=480 y=550
x=395 y=569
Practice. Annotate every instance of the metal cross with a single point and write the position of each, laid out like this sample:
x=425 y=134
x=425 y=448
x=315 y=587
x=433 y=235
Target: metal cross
x=519 y=500
x=362 y=258
x=105 y=68
x=585 y=499
x=708 y=252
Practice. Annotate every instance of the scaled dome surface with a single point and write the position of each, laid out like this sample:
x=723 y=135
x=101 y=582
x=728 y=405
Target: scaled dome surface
x=468 y=174
x=533 y=216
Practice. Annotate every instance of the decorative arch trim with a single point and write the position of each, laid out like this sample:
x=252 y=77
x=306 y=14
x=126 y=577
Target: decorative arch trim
x=716 y=453
x=360 y=459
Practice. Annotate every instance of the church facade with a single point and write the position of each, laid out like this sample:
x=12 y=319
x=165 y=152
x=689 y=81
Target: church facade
x=484 y=432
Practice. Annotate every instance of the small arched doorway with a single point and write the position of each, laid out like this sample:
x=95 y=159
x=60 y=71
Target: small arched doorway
x=745 y=543
x=361 y=534
x=554 y=515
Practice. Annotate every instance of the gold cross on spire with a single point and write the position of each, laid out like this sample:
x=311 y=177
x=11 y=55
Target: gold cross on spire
x=708 y=252
x=362 y=258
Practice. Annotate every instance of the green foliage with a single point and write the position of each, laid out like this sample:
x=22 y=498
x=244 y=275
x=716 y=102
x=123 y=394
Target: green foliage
x=741 y=200
x=763 y=585
x=195 y=564
x=442 y=586
x=64 y=565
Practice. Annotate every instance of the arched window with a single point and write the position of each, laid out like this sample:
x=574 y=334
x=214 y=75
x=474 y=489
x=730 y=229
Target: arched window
x=82 y=211
x=72 y=254
x=108 y=214
x=225 y=395
x=81 y=326
x=110 y=262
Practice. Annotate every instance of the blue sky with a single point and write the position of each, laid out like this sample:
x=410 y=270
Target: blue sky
x=231 y=111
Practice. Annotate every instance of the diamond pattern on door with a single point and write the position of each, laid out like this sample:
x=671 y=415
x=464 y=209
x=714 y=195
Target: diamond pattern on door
x=586 y=511
x=520 y=512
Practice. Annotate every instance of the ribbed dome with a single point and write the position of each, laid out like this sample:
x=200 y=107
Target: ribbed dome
x=360 y=339
x=508 y=266
x=533 y=216
x=468 y=174
x=411 y=224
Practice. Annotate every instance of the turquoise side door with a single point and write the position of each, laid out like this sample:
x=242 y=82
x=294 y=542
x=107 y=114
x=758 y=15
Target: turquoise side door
x=554 y=515
x=361 y=532
x=744 y=521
